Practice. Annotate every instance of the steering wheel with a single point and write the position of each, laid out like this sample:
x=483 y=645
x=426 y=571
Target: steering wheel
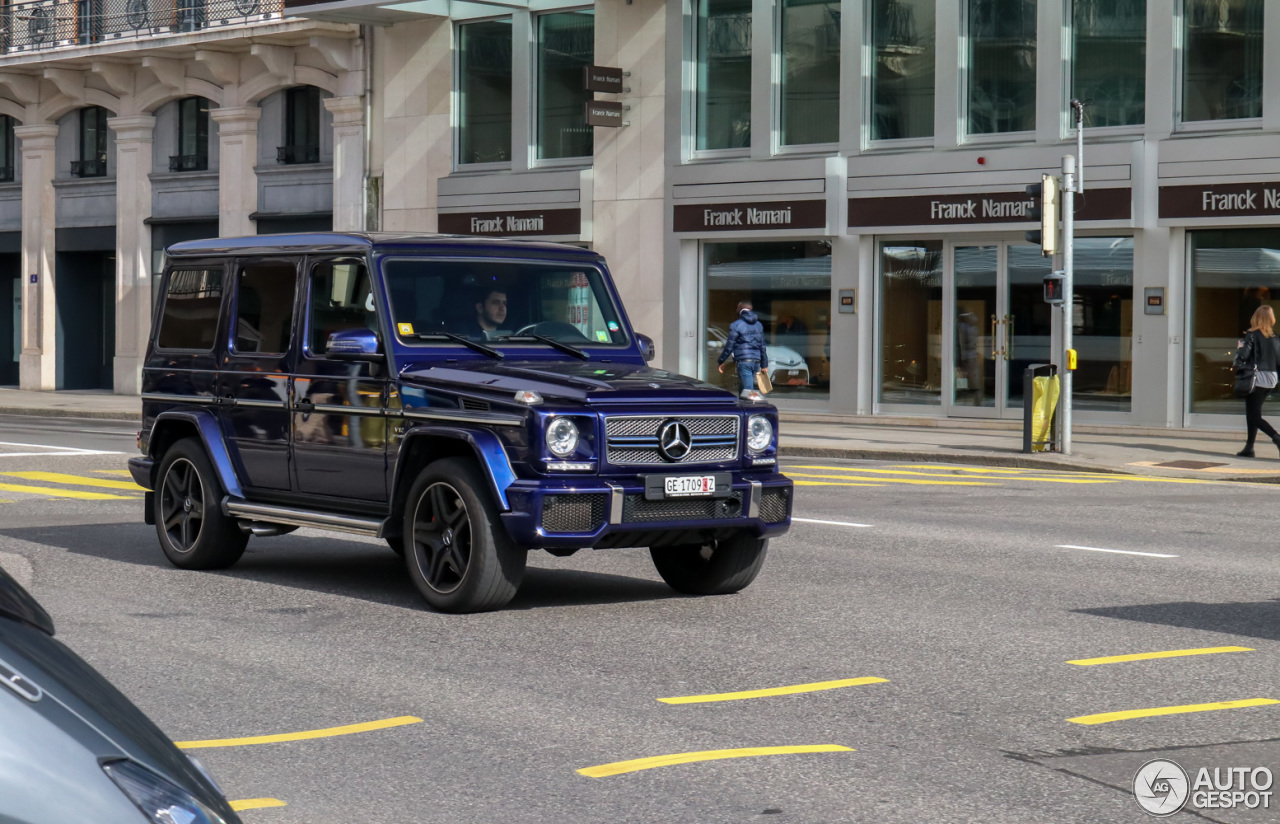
x=554 y=329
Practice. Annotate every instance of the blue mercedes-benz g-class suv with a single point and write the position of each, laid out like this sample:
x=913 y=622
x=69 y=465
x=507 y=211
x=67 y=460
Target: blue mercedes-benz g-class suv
x=465 y=399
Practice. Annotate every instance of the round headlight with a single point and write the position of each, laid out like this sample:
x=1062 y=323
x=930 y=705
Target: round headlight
x=562 y=437
x=759 y=433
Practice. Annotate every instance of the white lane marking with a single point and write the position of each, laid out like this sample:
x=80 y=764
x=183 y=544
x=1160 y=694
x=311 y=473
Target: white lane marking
x=1116 y=551
x=55 y=451
x=832 y=523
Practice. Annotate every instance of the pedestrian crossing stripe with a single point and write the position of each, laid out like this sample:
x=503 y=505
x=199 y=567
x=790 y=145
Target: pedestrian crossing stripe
x=74 y=480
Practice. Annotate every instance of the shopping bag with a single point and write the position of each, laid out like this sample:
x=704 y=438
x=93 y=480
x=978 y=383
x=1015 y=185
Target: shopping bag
x=762 y=381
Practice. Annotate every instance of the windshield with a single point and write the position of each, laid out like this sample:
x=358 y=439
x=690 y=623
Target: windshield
x=501 y=301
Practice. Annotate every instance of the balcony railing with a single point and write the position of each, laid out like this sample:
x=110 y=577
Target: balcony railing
x=297 y=154
x=188 y=163
x=50 y=24
x=89 y=168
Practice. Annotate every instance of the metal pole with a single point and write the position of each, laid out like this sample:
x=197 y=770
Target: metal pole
x=1068 y=310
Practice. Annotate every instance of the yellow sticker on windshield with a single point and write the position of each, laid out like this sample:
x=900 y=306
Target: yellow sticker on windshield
x=602 y=336
x=405 y=328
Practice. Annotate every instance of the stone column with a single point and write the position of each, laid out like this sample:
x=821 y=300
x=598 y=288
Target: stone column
x=348 y=162
x=133 y=248
x=37 y=366
x=237 y=181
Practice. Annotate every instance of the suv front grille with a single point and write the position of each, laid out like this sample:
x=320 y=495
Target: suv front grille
x=637 y=510
x=572 y=513
x=635 y=440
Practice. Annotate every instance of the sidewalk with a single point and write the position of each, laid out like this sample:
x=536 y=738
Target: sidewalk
x=1177 y=453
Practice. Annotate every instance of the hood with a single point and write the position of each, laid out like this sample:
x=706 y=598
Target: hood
x=585 y=381
x=749 y=316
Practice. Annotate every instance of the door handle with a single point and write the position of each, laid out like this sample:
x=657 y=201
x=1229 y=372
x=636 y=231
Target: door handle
x=995 y=324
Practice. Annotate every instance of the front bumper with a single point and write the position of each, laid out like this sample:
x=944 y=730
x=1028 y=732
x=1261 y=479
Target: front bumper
x=605 y=513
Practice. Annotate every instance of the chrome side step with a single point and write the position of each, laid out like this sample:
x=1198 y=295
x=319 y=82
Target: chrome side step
x=267 y=513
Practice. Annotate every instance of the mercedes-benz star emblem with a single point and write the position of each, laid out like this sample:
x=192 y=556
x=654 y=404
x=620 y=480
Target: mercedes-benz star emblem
x=674 y=440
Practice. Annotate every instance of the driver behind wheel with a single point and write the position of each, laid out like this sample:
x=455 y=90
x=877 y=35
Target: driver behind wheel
x=491 y=314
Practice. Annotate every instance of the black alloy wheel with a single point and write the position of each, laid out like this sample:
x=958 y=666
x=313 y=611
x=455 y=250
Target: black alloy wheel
x=193 y=531
x=457 y=551
x=442 y=537
x=182 y=505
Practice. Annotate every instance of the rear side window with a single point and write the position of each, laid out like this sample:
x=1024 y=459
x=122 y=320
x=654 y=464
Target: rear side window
x=192 y=305
x=264 y=308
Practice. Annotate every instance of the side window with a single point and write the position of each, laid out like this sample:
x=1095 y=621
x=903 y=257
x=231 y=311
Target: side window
x=264 y=308
x=341 y=299
x=192 y=304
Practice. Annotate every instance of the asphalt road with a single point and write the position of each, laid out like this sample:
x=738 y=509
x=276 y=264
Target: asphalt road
x=967 y=590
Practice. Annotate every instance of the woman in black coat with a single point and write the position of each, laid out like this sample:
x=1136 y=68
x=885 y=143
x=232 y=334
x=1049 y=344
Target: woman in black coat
x=1261 y=348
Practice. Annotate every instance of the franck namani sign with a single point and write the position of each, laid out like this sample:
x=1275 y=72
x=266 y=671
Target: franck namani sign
x=498 y=223
x=989 y=207
x=747 y=217
x=1220 y=200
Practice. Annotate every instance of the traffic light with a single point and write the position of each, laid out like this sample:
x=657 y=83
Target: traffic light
x=1044 y=208
x=1053 y=288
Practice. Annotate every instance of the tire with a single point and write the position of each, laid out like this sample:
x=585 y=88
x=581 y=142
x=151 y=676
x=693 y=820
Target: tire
x=396 y=544
x=193 y=532
x=456 y=549
x=717 y=568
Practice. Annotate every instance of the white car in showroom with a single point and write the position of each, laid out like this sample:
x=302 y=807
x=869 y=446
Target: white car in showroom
x=787 y=367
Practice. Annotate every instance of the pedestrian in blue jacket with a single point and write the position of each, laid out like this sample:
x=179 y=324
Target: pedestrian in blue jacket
x=746 y=346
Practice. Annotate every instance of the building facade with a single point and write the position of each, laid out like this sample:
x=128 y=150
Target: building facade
x=855 y=168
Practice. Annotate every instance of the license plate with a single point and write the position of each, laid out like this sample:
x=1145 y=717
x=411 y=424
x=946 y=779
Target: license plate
x=689 y=486
x=792 y=373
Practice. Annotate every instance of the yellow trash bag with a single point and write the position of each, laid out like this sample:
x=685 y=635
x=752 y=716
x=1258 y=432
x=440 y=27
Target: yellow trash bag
x=1044 y=402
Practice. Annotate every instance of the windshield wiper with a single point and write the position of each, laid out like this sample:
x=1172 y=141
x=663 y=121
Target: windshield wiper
x=568 y=349
x=467 y=342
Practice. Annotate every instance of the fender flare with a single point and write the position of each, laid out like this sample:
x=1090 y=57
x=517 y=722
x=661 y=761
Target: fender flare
x=488 y=449
x=214 y=445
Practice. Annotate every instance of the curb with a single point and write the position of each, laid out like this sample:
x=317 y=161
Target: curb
x=56 y=412
x=1009 y=461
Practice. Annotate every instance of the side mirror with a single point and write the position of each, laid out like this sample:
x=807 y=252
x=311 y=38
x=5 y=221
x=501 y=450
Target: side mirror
x=646 y=347
x=354 y=345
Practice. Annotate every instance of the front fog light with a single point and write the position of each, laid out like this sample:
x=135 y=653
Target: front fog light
x=759 y=433
x=161 y=801
x=562 y=437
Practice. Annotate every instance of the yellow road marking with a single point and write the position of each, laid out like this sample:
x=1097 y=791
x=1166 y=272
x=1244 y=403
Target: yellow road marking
x=256 y=803
x=74 y=480
x=1107 y=717
x=791 y=690
x=1019 y=474
x=884 y=480
x=300 y=736
x=620 y=767
x=123 y=472
x=1146 y=656
x=64 y=493
x=964 y=468
x=820 y=483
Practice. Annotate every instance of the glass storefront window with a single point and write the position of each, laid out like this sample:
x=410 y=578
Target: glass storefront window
x=789 y=287
x=911 y=322
x=484 y=92
x=1109 y=60
x=1002 y=66
x=810 y=71
x=1233 y=272
x=902 y=41
x=566 y=46
x=1222 y=59
x=1102 y=330
x=723 y=117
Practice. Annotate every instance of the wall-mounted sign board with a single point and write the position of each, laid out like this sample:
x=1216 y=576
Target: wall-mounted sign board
x=602 y=79
x=603 y=113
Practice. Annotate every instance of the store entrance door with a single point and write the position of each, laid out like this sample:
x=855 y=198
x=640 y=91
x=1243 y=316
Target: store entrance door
x=995 y=324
